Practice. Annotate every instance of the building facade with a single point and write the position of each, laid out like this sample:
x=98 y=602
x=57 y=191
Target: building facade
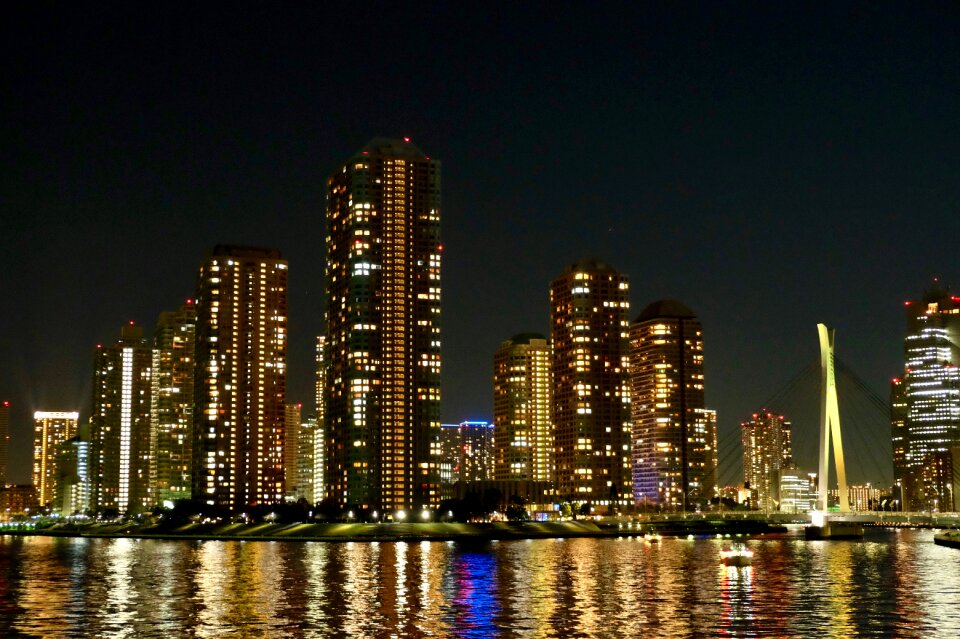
x=932 y=377
x=291 y=449
x=931 y=390
x=4 y=440
x=898 y=428
x=467 y=452
x=523 y=409
x=50 y=431
x=73 y=477
x=590 y=305
x=120 y=424
x=171 y=406
x=240 y=383
x=674 y=439
x=381 y=398
x=766 y=442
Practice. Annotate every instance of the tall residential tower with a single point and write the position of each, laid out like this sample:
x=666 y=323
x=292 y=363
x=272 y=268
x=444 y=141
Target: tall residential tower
x=240 y=384
x=674 y=437
x=382 y=395
x=120 y=424
x=50 y=431
x=766 y=451
x=589 y=319
x=171 y=407
x=522 y=409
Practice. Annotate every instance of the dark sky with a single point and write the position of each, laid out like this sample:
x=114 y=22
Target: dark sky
x=770 y=166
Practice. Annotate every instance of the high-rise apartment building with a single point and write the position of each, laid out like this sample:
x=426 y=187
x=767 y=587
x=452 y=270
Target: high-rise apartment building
x=4 y=440
x=523 y=409
x=932 y=378
x=50 y=431
x=589 y=322
x=73 y=476
x=306 y=462
x=766 y=441
x=291 y=448
x=381 y=402
x=674 y=438
x=240 y=383
x=120 y=423
x=898 y=428
x=319 y=431
x=467 y=450
x=171 y=408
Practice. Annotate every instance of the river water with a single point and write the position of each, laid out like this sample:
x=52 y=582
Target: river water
x=895 y=583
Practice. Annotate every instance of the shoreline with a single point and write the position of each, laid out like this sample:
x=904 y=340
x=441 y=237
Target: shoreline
x=391 y=532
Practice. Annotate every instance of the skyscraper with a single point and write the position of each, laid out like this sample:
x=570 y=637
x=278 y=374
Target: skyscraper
x=291 y=448
x=319 y=432
x=767 y=449
x=932 y=378
x=898 y=428
x=522 y=409
x=50 y=431
x=120 y=423
x=589 y=322
x=171 y=408
x=674 y=441
x=382 y=395
x=4 y=440
x=73 y=476
x=240 y=385
x=467 y=449
x=307 y=463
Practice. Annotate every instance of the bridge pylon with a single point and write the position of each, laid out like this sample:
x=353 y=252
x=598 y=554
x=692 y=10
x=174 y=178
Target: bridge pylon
x=829 y=424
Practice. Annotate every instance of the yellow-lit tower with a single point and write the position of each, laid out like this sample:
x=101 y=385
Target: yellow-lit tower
x=674 y=436
x=50 y=431
x=590 y=305
x=171 y=408
x=240 y=385
x=766 y=444
x=382 y=394
x=522 y=409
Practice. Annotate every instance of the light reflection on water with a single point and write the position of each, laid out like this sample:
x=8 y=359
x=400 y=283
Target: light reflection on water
x=893 y=584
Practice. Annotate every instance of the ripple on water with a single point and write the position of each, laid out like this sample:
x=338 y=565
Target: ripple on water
x=896 y=583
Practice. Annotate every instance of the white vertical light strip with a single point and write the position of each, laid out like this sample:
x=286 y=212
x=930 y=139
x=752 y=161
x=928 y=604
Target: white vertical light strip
x=126 y=408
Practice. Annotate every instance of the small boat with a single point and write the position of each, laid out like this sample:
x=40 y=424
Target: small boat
x=738 y=555
x=653 y=539
x=948 y=538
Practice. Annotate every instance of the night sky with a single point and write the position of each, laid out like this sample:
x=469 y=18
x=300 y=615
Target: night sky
x=771 y=167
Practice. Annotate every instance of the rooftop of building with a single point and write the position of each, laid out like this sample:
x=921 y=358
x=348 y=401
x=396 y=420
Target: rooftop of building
x=230 y=250
x=526 y=338
x=393 y=147
x=590 y=265
x=671 y=309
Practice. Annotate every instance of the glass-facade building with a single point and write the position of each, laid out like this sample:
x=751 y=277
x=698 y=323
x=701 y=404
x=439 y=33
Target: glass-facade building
x=932 y=378
x=381 y=400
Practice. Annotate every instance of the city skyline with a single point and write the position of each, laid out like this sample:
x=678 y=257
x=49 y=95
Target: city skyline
x=750 y=168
